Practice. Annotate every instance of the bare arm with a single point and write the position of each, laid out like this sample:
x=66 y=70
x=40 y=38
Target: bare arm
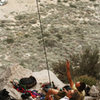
x=69 y=74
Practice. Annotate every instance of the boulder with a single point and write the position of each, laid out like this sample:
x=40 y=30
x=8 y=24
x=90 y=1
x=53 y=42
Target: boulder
x=17 y=72
x=94 y=92
x=42 y=77
x=88 y=98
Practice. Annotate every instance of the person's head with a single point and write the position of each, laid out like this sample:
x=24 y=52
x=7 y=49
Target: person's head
x=80 y=86
x=75 y=96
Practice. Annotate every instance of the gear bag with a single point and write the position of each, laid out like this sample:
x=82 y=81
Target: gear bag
x=28 y=82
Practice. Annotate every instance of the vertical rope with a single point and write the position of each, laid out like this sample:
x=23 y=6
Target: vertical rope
x=44 y=48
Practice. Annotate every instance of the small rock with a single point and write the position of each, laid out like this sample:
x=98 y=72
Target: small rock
x=88 y=98
x=94 y=91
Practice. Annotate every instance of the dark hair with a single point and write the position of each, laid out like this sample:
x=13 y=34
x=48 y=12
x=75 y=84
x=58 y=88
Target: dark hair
x=81 y=87
x=87 y=89
x=75 y=96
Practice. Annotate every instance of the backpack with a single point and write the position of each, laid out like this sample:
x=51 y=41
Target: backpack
x=28 y=82
x=4 y=95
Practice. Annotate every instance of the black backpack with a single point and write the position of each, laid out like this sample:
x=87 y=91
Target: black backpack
x=4 y=95
x=28 y=82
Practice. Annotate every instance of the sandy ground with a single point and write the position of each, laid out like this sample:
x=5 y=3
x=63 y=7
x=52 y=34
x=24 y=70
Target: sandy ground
x=14 y=7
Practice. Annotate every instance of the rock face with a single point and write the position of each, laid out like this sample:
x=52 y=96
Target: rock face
x=68 y=28
x=15 y=72
x=18 y=72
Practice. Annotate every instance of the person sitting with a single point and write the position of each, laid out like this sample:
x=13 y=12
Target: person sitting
x=76 y=91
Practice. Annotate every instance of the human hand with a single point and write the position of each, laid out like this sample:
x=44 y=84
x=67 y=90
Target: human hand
x=65 y=90
x=68 y=64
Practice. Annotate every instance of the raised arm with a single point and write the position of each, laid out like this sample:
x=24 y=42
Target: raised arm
x=69 y=74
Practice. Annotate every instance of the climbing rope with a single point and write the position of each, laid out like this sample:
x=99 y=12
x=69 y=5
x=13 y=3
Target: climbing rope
x=41 y=28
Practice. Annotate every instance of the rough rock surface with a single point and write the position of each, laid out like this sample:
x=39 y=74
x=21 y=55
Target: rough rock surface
x=68 y=28
x=94 y=91
x=18 y=72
